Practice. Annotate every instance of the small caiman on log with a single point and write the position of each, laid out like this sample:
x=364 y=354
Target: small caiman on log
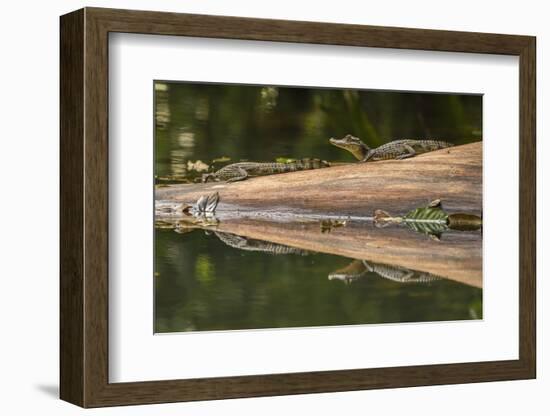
x=242 y=170
x=397 y=149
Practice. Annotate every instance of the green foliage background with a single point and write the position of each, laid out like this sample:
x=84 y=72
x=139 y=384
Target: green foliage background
x=261 y=123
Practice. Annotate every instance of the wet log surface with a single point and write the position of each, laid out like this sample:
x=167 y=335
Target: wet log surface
x=453 y=175
x=288 y=209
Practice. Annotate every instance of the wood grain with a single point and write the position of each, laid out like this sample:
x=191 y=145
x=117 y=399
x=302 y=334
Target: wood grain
x=84 y=204
x=245 y=28
x=72 y=367
x=528 y=209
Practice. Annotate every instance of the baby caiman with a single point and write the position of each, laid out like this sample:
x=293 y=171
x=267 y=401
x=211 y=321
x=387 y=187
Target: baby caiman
x=243 y=170
x=397 y=149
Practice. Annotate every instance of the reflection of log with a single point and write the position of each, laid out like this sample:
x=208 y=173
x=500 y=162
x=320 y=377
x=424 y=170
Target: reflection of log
x=453 y=175
x=457 y=256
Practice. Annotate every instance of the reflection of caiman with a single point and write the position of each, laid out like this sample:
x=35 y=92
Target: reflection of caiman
x=358 y=268
x=353 y=271
x=243 y=243
x=400 y=274
x=397 y=149
x=242 y=170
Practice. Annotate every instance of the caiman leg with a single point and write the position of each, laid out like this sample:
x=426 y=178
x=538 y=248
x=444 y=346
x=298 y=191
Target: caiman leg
x=243 y=174
x=409 y=149
x=410 y=153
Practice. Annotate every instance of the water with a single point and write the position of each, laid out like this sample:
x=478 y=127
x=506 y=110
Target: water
x=202 y=283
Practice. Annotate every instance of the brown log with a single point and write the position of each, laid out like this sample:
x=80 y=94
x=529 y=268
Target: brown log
x=453 y=175
x=288 y=209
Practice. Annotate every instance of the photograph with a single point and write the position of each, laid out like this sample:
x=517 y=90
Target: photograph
x=292 y=207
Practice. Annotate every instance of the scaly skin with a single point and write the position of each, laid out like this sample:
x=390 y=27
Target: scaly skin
x=397 y=149
x=243 y=170
x=358 y=269
x=243 y=243
x=400 y=274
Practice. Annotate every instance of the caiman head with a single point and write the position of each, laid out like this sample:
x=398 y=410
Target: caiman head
x=352 y=144
x=348 y=274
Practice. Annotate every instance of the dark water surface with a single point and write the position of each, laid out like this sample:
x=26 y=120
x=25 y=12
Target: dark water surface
x=203 y=284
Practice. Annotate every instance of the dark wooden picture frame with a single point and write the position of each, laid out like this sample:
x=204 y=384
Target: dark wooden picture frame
x=84 y=207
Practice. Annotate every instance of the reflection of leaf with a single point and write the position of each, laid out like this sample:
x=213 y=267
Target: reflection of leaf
x=433 y=229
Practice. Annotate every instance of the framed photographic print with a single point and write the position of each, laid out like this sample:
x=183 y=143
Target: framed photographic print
x=256 y=207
